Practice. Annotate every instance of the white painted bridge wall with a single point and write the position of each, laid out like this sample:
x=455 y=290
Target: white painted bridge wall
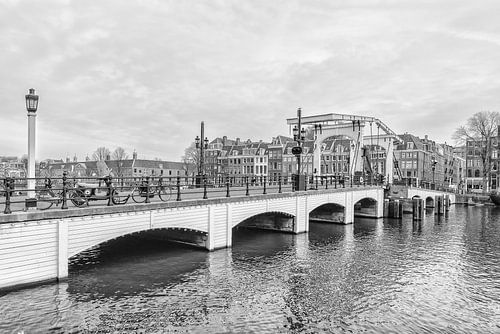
x=39 y=250
x=425 y=193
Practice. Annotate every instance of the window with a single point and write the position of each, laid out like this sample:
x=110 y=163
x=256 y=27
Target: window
x=476 y=173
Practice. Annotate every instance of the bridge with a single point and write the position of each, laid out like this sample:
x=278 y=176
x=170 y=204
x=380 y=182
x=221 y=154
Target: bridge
x=36 y=245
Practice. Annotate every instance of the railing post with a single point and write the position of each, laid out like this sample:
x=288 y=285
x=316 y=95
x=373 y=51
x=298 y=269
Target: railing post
x=293 y=182
x=326 y=183
x=227 y=188
x=248 y=189
x=335 y=181
x=6 y=183
x=316 y=181
x=64 y=205
x=205 y=187
x=147 y=190
x=178 y=188
x=279 y=184
x=265 y=183
x=108 y=182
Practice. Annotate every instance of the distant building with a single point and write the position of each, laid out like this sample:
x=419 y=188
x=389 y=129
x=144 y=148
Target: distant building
x=423 y=161
x=127 y=168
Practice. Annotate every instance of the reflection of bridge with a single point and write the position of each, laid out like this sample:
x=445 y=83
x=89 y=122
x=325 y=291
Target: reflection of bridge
x=36 y=246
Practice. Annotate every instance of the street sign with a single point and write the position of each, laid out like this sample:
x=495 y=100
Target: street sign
x=296 y=150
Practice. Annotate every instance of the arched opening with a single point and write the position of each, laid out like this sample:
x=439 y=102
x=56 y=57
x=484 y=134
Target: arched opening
x=130 y=264
x=366 y=208
x=179 y=235
x=275 y=221
x=429 y=202
x=328 y=213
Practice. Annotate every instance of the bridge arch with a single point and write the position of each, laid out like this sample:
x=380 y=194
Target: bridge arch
x=271 y=220
x=328 y=213
x=429 y=202
x=176 y=234
x=247 y=210
x=367 y=207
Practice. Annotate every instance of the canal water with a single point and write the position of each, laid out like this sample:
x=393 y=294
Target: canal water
x=375 y=276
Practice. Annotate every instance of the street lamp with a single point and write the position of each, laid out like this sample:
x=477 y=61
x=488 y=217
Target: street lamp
x=433 y=166
x=31 y=107
x=299 y=136
x=201 y=144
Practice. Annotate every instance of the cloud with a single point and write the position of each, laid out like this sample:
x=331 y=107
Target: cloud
x=142 y=75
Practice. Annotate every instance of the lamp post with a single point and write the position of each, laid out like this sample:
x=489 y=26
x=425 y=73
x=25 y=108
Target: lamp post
x=201 y=144
x=433 y=166
x=31 y=107
x=299 y=137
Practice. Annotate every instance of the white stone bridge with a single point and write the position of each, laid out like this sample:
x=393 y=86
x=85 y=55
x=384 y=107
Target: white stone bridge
x=36 y=246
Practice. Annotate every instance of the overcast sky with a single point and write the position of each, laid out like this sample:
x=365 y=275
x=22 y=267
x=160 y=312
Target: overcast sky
x=143 y=74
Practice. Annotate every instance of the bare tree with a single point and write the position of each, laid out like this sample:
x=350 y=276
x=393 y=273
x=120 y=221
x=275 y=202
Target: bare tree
x=101 y=154
x=481 y=130
x=191 y=159
x=119 y=155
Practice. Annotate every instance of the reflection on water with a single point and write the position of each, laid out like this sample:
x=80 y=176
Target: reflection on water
x=382 y=276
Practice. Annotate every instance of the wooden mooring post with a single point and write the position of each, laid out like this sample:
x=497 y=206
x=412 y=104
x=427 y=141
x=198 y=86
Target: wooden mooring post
x=418 y=208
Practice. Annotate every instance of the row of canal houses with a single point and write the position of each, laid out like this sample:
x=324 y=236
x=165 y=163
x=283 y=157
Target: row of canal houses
x=418 y=160
x=237 y=160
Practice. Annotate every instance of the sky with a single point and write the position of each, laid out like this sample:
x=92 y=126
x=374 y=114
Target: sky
x=143 y=74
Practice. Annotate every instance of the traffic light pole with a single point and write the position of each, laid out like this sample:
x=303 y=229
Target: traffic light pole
x=299 y=141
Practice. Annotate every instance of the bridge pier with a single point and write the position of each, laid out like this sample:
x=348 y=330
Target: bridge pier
x=62 y=249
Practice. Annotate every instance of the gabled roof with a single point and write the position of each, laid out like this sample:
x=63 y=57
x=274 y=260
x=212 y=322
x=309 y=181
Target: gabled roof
x=407 y=137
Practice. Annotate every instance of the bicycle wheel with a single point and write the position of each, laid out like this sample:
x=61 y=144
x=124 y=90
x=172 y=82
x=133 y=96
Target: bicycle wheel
x=77 y=198
x=119 y=199
x=165 y=192
x=138 y=196
x=45 y=200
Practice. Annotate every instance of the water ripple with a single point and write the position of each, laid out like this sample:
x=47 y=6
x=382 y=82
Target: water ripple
x=436 y=276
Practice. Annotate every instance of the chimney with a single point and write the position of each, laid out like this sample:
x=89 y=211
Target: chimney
x=75 y=159
x=134 y=155
x=108 y=157
x=237 y=141
x=224 y=140
x=67 y=159
x=426 y=137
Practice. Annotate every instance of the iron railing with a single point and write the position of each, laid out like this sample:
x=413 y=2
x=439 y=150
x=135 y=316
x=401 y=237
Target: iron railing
x=74 y=192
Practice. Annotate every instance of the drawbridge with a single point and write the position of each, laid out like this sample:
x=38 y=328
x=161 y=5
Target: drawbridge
x=369 y=136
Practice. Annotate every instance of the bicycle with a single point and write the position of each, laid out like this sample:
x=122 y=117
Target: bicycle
x=46 y=197
x=139 y=192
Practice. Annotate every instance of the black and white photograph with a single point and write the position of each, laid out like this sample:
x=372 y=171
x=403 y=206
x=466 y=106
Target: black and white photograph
x=250 y=166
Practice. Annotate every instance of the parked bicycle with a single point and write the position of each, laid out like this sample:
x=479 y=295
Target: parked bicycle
x=47 y=196
x=140 y=191
x=83 y=193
